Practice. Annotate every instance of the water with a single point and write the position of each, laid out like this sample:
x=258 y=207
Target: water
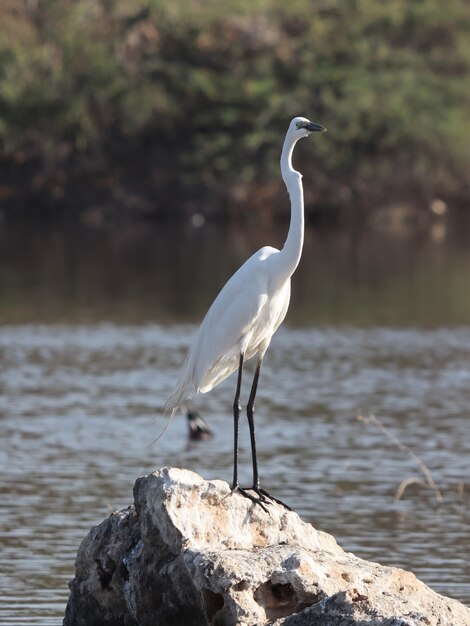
x=94 y=323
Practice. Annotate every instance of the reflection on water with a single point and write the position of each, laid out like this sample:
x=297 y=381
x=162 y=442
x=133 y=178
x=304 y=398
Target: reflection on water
x=145 y=273
x=93 y=324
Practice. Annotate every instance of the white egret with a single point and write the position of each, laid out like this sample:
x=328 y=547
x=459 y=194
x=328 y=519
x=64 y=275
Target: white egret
x=246 y=313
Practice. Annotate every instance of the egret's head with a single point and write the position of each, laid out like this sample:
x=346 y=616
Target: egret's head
x=302 y=127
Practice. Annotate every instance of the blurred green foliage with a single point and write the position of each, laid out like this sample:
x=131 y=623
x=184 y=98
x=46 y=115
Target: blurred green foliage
x=179 y=100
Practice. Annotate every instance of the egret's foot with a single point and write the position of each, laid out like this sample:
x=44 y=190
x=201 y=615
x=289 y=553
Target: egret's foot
x=262 y=493
x=260 y=500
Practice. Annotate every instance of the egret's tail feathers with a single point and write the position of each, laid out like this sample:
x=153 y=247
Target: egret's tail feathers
x=184 y=388
x=176 y=401
x=168 y=422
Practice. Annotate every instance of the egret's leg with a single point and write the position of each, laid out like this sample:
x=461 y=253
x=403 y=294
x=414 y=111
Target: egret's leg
x=250 y=409
x=236 y=420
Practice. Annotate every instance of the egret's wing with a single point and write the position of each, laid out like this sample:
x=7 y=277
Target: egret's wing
x=229 y=320
x=216 y=347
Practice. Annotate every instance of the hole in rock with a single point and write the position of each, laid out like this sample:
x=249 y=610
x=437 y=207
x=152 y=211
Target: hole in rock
x=278 y=600
x=105 y=572
x=213 y=602
x=241 y=586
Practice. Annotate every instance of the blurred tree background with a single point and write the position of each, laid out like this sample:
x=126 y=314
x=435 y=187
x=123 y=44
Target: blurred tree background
x=160 y=109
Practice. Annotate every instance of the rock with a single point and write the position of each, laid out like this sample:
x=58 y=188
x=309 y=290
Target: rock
x=190 y=553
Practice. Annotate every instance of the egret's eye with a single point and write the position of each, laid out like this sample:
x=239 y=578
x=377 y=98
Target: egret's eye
x=299 y=125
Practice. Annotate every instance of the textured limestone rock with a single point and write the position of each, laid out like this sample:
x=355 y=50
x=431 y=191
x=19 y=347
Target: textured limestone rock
x=190 y=553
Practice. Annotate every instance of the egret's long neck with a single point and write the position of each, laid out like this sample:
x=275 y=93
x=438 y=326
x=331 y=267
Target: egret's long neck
x=292 y=249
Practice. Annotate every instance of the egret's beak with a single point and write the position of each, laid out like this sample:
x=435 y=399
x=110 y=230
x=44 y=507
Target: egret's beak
x=312 y=127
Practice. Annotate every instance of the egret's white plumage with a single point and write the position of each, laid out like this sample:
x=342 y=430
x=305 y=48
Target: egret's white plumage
x=242 y=319
x=253 y=303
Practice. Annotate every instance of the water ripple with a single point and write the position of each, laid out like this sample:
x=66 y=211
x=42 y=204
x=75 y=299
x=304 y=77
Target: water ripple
x=79 y=405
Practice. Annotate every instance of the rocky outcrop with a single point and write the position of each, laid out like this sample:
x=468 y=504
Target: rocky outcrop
x=191 y=553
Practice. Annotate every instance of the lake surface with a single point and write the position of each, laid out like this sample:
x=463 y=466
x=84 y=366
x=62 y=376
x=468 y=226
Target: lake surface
x=94 y=321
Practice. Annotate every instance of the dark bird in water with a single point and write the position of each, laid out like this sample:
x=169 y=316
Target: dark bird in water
x=198 y=429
